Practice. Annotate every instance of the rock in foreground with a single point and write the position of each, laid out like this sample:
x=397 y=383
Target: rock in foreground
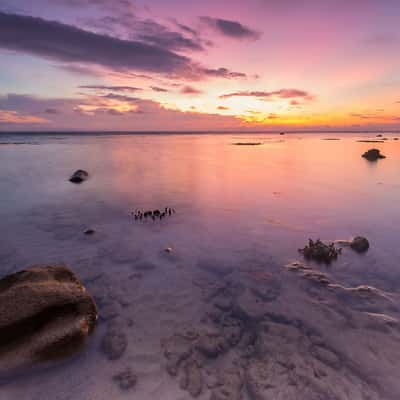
x=79 y=176
x=373 y=155
x=45 y=314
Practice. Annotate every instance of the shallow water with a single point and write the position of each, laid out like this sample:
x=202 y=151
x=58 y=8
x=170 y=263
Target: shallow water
x=248 y=208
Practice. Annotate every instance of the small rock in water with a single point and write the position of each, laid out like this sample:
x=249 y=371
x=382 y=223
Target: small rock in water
x=373 y=155
x=320 y=252
x=360 y=244
x=168 y=249
x=45 y=314
x=125 y=379
x=89 y=232
x=155 y=214
x=79 y=176
x=248 y=144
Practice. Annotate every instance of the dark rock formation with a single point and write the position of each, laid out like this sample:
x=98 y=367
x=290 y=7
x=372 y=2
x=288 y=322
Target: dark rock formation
x=248 y=144
x=373 y=155
x=140 y=215
x=360 y=244
x=79 y=176
x=89 y=232
x=320 y=252
x=125 y=379
x=45 y=314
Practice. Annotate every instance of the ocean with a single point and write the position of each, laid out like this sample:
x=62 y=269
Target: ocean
x=231 y=246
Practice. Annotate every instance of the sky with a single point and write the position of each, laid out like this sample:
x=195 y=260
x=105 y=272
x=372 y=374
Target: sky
x=178 y=65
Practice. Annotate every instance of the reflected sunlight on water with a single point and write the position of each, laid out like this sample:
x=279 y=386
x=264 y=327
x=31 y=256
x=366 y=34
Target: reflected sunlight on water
x=242 y=213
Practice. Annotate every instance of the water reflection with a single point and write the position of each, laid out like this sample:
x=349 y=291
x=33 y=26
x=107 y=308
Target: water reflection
x=224 y=292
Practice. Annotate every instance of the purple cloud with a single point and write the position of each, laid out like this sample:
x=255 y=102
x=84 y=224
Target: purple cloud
x=281 y=93
x=159 y=89
x=223 y=73
x=66 y=43
x=190 y=90
x=231 y=29
x=130 y=89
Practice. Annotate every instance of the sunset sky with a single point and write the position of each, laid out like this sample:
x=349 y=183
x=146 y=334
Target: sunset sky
x=210 y=65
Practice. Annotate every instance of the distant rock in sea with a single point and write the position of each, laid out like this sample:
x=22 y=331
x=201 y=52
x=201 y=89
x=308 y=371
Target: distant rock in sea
x=360 y=244
x=320 y=252
x=248 y=144
x=373 y=155
x=79 y=176
x=45 y=314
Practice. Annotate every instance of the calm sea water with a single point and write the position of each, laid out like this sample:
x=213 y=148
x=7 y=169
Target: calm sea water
x=234 y=204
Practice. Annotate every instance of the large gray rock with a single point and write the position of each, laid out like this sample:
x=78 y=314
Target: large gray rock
x=45 y=314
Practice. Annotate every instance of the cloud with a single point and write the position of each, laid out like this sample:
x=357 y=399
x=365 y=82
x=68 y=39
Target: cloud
x=93 y=112
x=185 y=28
x=10 y=117
x=67 y=43
x=223 y=73
x=264 y=95
x=159 y=89
x=79 y=69
x=231 y=29
x=51 y=111
x=154 y=33
x=222 y=108
x=130 y=89
x=190 y=90
x=378 y=115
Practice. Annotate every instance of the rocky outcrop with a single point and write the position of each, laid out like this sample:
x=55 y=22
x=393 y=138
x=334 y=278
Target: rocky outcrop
x=79 y=176
x=320 y=252
x=373 y=155
x=140 y=215
x=45 y=314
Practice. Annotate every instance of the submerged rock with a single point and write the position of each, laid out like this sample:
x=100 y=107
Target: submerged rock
x=125 y=379
x=79 y=176
x=89 y=232
x=211 y=344
x=114 y=343
x=248 y=144
x=45 y=314
x=373 y=155
x=230 y=385
x=320 y=252
x=192 y=379
x=360 y=244
x=176 y=350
